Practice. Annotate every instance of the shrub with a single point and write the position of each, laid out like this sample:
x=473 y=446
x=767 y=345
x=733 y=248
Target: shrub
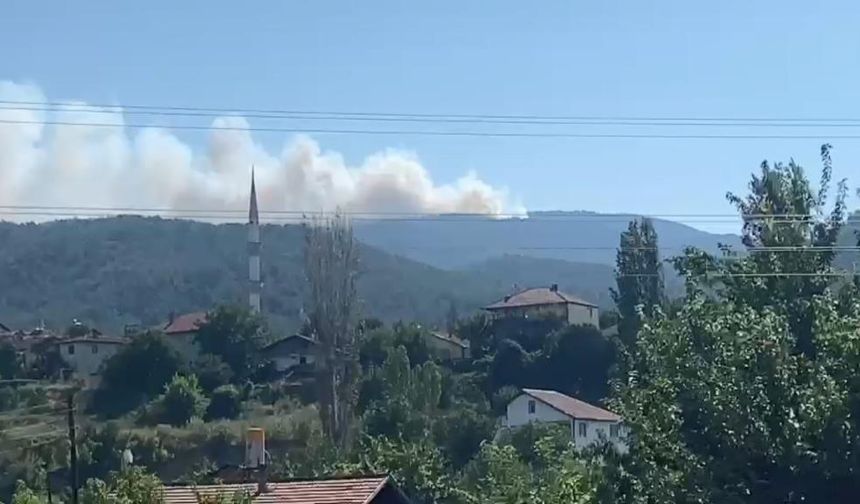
x=182 y=400
x=212 y=372
x=225 y=403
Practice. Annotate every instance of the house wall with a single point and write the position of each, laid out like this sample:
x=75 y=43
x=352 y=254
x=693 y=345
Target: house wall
x=595 y=432
x=518 y=412
x=285 y=362
x=87 y=358
x=582 y=315
x=536 y=311
x=518 y=415
x=185 y=345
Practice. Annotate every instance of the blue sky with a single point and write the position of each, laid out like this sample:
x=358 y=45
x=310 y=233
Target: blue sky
x=610 y=58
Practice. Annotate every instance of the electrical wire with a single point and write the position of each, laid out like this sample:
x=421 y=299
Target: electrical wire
x=321 y=116
x=438 y=133
x=240 y=110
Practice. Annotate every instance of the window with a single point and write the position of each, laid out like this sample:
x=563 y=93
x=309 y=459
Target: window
x=613 y=430
x=303 y=359
x=71 y=349
x=531 y=407
x=583 y=429
x=95 y=349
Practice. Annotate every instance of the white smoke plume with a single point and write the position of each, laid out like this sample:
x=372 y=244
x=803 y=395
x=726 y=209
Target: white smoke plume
x=44 y=164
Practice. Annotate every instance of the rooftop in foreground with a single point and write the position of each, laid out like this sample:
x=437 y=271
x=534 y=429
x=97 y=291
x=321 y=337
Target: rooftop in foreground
x=350 y=490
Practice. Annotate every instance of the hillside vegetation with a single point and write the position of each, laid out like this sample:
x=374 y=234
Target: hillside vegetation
x=115 y=271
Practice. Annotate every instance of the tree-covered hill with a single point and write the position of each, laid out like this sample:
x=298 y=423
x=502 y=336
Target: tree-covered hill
x=115 y=271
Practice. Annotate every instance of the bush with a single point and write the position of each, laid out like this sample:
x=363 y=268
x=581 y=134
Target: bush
x=137 y=373
x=225 y=403
x=212 y=372
x=182 y=400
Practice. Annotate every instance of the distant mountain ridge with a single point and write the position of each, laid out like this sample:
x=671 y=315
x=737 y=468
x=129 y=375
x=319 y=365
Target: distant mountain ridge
x=130 y=269
x=457 y=242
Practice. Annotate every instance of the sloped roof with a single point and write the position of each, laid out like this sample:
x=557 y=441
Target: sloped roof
x=450 y=338
x=296 y=337
x=535 y=297
x=320 y=491
x=572 y=407
x=104 y=340
x=4 y=328
x=187 y=322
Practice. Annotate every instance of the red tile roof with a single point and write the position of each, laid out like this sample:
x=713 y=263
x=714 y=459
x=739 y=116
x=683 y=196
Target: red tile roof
x=188 y=322
x=331 y=491
x=535 y=297
x=572 y=407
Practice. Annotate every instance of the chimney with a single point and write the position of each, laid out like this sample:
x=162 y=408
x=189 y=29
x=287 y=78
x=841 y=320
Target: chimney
x=553 y=287
x=171 y=317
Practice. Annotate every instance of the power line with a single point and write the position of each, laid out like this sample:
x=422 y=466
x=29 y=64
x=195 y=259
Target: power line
x=534 y=215
x=440 y=133
x=240 y=110
x=384 y=216
x=406 y=118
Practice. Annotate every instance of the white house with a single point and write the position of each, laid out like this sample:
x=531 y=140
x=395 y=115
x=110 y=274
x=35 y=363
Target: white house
x=86 y=355
x=290 y=352
x=589 y=424
x=544 y=302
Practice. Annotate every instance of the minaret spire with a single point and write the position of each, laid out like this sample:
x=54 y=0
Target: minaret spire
x=255 y=284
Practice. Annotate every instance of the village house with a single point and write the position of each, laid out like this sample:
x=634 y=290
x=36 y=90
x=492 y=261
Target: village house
x=85 y=356
x=589 y=424
x=290 y=352
x=27 y=342
x=446 y=346
x=347 y=490
x=181 y=334
x=545 y=302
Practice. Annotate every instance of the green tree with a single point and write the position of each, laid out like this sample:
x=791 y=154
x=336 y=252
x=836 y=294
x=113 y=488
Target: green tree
x=555 y=476
x=182 y=400
x=132 y=486
x=723 y=408
x=790 y=235
x=135 y=374
x=212 y=372
x=24 y=495
x=9 y=364
x=226 y=402
x=408 y=399
x=235 y=335
x=638 y=278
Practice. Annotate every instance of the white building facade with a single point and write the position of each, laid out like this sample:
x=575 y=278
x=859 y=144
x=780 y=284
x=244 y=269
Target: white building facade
x=588 y=424
x=86 y=356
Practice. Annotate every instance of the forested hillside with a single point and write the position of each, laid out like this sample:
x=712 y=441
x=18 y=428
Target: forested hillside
x=110 y=272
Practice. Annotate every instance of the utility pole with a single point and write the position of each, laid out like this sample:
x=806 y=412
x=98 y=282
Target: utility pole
x=73 y=449
x=48 y=482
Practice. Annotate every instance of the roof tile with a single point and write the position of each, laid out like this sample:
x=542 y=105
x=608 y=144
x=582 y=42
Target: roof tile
x=572 y=407
x=333 y=491
x=188 y=322
x=535 y=297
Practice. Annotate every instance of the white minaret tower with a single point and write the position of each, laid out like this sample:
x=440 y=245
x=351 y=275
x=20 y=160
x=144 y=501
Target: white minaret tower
x=255 y=285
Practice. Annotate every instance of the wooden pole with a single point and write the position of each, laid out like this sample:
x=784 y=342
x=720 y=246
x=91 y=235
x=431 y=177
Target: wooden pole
x=73 y=449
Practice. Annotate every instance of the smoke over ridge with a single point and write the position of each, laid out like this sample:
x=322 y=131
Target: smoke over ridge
x=92 y=166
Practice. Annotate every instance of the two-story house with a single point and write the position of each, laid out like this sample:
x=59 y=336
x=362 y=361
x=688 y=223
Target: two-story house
x=85 y=356
x=543 y=302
